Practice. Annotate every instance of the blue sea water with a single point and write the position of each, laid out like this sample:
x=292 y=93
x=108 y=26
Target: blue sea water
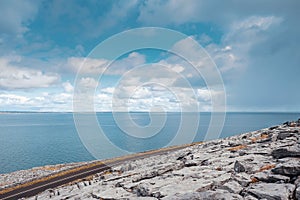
x=35 y=139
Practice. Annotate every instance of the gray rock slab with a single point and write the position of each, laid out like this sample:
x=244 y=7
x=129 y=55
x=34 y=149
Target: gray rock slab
x=271 y=191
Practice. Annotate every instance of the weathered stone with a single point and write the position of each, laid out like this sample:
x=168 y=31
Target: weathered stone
x=127 y=167
x=297 y=181
x=242 y=178
x=144 y=176
x=242 y=153
x=220 y=180
x=268 y=139
x=190 y=163
x=142 y=191
x=112 y=193
x=297 y=193
x=238 y=167
x=291 y=168
x=271 y=178
x=271 y=191
x=287 y=123
x=182 y=156
x=207 y=195
x=232 y=187
x=273 y=127
x=283 y=153
x=205 y=162
x=249 y=197
x=157 y=195
x=284 y=135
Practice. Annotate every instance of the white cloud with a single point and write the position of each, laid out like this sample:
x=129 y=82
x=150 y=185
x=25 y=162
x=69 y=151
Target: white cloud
x=68 y=87
x=14 y=77
x=204 y=94
x=255 y=22
x=119 y=67
x=176 y=67
x=204 y=39
x=12 y=99
x=36 y=102
x=61 y=98
x=108 y=90
x=87 y=65
x=88 y=83
x=142 y=93
x=94 y=66
x=233 y=51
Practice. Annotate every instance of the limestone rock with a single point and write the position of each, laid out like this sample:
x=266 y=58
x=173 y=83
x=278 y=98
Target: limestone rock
x=238 y=167
x=271 y=178
x=232 y=187
x=297 y=181
x=284 y=135
x=291 y=168
x=242 y=178
x=207 y=195
x=271 y=191
x=297 y=193
x=282 y=153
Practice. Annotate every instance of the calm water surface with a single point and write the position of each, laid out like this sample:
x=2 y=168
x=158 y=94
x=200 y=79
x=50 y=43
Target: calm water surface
x=35 y=139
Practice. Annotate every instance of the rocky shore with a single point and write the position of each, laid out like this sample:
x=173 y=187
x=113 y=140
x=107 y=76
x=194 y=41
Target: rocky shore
x=263 y=164
x=23 y=176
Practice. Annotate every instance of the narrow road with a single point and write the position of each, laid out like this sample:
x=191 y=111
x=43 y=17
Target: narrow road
x=31 y=189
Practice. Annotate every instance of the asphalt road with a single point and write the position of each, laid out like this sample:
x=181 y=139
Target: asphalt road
x=35 y=188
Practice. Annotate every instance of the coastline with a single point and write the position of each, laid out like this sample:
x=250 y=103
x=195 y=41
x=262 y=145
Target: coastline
x=23 y=178
x=66 y=147
x=246 y=166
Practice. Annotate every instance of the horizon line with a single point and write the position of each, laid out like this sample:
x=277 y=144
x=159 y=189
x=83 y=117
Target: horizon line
x=16 y=111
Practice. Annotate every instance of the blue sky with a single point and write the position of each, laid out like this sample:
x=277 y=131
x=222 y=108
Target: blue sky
x=255 y=45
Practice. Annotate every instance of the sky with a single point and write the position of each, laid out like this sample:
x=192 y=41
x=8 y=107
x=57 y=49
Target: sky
x=254 y=44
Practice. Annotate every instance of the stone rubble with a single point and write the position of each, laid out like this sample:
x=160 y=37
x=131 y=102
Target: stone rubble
x=262 y=164
x=22 y=176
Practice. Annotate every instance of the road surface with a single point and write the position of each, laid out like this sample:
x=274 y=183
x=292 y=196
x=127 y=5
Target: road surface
x=31 y=189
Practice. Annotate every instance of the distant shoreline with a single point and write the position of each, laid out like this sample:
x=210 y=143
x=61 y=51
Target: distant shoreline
x=98 y=112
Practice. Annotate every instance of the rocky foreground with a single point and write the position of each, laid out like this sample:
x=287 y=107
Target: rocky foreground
x=263 y=164
x=23 y=176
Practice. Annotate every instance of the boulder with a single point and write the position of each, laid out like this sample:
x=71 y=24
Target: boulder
x=271 y=178
x=283 y=153
x=238 y=167
x=273 y=127
x=287 y=123
x=297 y=181
x=290 y=168
x=271 y=191
x=142 y=191
x=207 y=195
x=182 y=156
x=297 y=193
x=284 y=135
x=242 y=178
x=190 y=163
x=232 y=187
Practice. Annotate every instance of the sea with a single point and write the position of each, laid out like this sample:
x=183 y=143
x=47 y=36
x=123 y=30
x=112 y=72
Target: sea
x=29 y=140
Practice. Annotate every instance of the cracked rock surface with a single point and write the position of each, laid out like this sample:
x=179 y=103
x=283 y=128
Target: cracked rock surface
x=22 y=176
x=262 y=164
